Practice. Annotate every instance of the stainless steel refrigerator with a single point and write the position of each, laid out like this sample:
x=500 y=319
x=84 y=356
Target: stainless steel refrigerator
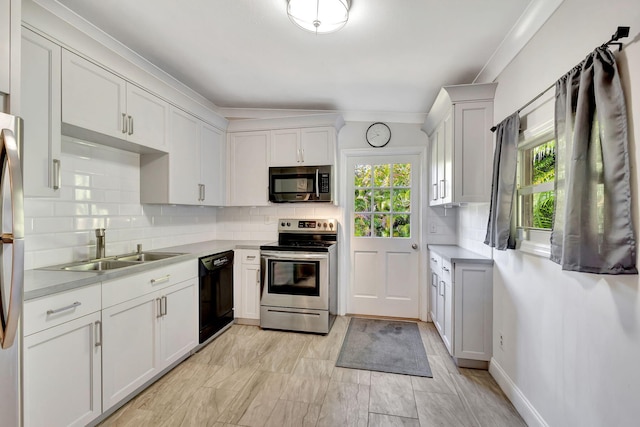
x=12 y=271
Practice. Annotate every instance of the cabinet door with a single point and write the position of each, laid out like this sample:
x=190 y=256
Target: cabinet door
x=62 y=377
x=212 y=165
x=317 y=146
x=447 y=335
x=474 y=311
x=247 y=171
x=184 y=158
x=129 y=357
x=92 y=97
x=440 y=306
x=148 y=119
x=433 y=297
x=250 y=299
x=5 y=45
x=445 y=160
x=40 y=108
x=285 y=147
x=179 y=321
x=434 y=195
x=473 y=157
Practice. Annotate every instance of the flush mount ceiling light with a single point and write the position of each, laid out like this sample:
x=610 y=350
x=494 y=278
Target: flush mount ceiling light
x=319 y=16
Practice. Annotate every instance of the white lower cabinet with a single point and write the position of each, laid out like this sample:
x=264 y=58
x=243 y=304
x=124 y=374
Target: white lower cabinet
x=62 y=359
x=461 y=307
x=149 y=332
x=247 y=285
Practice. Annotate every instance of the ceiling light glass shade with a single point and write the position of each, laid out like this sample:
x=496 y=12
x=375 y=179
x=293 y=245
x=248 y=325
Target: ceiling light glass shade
x=319 y=16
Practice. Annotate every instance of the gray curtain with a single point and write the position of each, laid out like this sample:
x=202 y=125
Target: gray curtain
x=592 y=226
x=500 y=229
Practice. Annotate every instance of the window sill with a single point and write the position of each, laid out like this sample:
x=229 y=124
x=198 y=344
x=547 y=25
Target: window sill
x=538 y=249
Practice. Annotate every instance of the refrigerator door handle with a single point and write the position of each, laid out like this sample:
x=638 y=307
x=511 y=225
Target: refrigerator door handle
x=9 y=155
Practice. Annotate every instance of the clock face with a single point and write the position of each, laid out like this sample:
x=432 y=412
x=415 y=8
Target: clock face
x=378 y=135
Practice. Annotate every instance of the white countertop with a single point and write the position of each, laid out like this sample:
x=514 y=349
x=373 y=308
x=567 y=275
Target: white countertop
x=453 y=254
x=42 y=282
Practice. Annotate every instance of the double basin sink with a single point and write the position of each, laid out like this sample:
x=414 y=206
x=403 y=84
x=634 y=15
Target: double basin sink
x=112 y=263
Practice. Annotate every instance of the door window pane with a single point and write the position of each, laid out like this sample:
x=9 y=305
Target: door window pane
x=382 y=200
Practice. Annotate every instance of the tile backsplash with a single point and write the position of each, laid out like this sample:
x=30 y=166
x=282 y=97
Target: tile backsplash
x=101 y=189
x=472 y=228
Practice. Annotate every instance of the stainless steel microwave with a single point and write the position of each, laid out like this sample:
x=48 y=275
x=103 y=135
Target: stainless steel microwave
x=300 y=184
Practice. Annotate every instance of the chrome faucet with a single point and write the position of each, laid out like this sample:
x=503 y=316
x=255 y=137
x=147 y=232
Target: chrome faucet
x=100 y=246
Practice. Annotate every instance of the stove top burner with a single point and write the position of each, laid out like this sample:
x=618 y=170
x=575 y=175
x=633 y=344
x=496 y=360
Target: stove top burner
x=310 y=235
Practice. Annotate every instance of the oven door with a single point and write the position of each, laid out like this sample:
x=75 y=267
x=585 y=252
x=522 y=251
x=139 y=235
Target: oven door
x=295 y=279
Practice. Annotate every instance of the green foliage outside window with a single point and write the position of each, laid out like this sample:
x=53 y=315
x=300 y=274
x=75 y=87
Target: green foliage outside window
x=382 y=200
x=543 y=168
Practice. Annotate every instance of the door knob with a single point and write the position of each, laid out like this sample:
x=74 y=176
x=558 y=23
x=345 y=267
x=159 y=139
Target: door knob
x=414 y=246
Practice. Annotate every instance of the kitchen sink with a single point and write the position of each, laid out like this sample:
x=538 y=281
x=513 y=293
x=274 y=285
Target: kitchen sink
x=99 y=265
x=147 y=256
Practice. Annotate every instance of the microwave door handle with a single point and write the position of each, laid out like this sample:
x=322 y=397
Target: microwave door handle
x=9 y=154
x=317 y=184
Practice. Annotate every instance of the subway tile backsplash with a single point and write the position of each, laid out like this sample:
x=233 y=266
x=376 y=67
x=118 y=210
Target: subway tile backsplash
x=101 y=188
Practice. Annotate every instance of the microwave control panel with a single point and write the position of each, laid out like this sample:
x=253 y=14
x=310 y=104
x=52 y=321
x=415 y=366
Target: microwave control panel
x=324 y=182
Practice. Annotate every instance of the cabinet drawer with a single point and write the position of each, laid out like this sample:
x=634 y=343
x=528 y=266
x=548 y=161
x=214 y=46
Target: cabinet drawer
x=435 y=262
x=129 y=287
x=446 y=270
x=53 y=310
x=250 y=256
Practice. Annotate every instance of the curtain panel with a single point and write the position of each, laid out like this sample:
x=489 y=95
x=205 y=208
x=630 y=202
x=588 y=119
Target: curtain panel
x=500 y=228
x=592 y=226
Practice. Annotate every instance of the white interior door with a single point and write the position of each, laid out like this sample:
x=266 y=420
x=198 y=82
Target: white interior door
x=384 y=214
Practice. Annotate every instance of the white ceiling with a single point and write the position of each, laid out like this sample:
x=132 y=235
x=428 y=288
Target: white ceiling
x=392 y=56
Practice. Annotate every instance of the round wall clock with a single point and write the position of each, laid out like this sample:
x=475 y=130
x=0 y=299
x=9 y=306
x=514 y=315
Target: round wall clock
x=378 y=135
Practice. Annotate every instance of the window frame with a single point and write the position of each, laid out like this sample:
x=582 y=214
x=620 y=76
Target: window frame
x=535 y=241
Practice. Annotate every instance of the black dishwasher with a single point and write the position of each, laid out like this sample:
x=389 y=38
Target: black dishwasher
x=216 y=293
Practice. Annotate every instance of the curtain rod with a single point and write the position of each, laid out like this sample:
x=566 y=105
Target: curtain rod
x=620 y=33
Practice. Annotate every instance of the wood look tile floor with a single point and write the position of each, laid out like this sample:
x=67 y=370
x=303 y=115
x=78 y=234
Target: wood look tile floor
x=254 y=377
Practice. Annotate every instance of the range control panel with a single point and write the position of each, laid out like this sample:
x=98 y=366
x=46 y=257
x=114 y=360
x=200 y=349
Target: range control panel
x=307 y=226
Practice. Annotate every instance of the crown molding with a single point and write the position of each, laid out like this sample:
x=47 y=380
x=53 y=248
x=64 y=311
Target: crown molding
x=531 y=20
x=349 y=116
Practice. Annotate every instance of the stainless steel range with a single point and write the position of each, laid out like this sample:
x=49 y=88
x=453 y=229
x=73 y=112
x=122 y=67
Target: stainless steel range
x=299 y=276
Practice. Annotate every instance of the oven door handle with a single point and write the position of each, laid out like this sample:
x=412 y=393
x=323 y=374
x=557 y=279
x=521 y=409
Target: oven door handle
x=293 y=256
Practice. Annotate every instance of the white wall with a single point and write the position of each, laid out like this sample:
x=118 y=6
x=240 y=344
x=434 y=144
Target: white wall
x=571 y=340
x=101 y=188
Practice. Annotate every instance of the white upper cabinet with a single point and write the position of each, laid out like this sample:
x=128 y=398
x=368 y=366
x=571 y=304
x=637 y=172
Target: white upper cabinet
x=40 y=108
x=213 y=166
x=5 y=45
x=459 y=124
x=148 y=118
x=184 y=161
x=92 y=97
x=305 y=146
x=193 y=173
x=248 y=172
x=97 y=100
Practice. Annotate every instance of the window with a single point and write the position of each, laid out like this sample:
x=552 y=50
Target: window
x=382 y=202
x=536 y=191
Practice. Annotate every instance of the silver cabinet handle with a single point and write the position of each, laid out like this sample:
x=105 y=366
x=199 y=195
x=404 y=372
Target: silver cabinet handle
x=302 y=155
x=164 y=312
x=258 y=276
x=159 y=307
x=204 y=192
x=65 y=308
x=435 y=191
x=56 y=174
x=160 y=279
x=317 y=183
x=443 y=191
x=298 y=155
x=434 y=260
x=98 y=325
x=442 y=284
x=434 y=280
x=130 y=125
x=9 y=154
x=446 y=269
x=251 y=257
x=124 y=123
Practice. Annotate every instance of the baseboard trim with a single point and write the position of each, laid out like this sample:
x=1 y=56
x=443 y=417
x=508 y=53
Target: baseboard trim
x=519 y=400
